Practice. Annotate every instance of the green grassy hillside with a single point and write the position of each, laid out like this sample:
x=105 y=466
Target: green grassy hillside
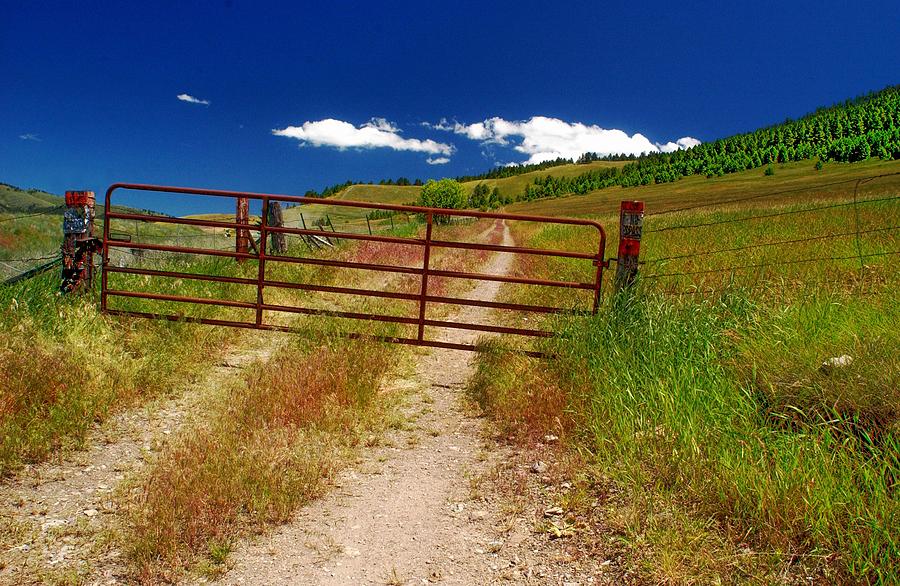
x=694 y=190
x=515 y=186
x=16 y=200
x=347 y=218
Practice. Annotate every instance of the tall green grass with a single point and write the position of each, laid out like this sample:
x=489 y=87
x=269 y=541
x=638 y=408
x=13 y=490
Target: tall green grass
x=705 y=395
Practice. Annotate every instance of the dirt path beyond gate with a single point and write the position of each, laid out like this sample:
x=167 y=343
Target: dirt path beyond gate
x=409 y=512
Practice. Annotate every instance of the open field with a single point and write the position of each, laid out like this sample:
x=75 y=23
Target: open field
x=695 y=409
x=720 y=446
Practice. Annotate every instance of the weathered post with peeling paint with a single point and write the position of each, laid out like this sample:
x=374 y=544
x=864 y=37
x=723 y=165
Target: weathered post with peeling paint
x=276 y=220
x=79 y=244
x=631 y=222
x=242 y=235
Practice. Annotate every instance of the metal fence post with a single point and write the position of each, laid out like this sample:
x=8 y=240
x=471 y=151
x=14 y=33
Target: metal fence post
x=79 y=244
x=631 y=221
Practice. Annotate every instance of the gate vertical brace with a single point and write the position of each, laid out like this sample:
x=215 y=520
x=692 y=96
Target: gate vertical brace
x=425 y=263
x=263 y=234
x=598 y=279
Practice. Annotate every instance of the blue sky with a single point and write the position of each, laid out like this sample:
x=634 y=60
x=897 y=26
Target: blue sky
x=90 y=89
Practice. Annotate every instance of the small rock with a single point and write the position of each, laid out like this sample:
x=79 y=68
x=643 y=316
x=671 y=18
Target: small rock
x=457 y=507
x=841 y=361
x=566 y=485
x=91 y=512
x=550 y=438
x=478 y=515
x=553 y=512
x=539 y=467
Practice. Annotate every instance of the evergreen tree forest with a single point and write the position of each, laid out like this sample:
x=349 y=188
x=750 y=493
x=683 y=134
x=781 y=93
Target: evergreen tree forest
x=868 y=126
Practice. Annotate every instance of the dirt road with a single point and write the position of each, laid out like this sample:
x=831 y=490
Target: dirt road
x=407 y=512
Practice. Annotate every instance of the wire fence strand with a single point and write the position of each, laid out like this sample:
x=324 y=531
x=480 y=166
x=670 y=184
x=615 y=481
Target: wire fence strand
x=770 y=194
x=779 y=243
x=768 y=264
x=772 y=215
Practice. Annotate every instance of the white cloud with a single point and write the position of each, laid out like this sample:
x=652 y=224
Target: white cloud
x=192 y=100
x=377 y=133
x=543 y=138
x=437 y=160
x=381 y=124
x=682 y=143
x=30 y=136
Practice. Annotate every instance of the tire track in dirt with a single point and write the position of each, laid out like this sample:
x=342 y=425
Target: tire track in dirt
x=410 y=510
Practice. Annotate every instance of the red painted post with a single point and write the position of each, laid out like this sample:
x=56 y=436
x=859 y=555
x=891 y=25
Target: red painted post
x=631 y=222
x=79 y=243
x=242 y=235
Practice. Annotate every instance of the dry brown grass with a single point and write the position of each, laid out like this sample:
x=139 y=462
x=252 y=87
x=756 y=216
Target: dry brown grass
x=267 y=447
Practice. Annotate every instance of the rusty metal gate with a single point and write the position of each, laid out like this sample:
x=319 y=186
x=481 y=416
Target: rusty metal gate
x=261 y=281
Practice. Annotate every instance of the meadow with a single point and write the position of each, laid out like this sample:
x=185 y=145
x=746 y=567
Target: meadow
x=703 y=405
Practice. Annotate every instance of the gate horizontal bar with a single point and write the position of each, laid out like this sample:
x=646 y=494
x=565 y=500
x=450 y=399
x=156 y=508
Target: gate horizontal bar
x=344 y=264
x=351 y=335
x=177 y=275
x=508 y=279
x=179 y=249
x=336 y=313
x=341 y=290
x=181 y=299
x=487 y=328
x=498 y=305
x=515 y=249
x=346 y=235
x=185 y=221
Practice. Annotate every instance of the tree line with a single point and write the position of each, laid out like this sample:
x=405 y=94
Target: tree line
x=868 y=126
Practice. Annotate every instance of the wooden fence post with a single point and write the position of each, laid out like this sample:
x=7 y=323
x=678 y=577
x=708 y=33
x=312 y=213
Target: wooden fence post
x=242 y=235
x=276 y=219
x=79 y=244
x=368 y=224
x=631 y=222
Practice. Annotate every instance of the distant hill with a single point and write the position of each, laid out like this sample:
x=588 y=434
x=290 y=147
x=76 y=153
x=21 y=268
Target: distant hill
x=799 y=181
x=16 y=200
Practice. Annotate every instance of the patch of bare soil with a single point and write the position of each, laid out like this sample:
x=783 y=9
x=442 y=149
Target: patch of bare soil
x=57 y=518
x=423 y=505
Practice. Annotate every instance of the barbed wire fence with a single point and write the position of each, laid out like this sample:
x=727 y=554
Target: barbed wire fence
x=655 y=268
